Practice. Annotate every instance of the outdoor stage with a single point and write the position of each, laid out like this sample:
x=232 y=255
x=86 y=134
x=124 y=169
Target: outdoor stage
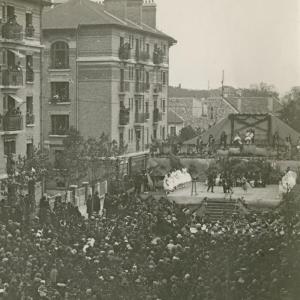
x=267 y=197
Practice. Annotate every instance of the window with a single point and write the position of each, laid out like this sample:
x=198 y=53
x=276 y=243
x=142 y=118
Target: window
x=164 y=77
x=60 y=55
x=121 y=41
x=147 y=135
x=29 y=68
x=3 y=12
x=163 y=132
x=9 y=147
x=129 y=137
x=164 y=105
x=122 y=75
x=10 y=11
x=164 y=50
x=147 y=80
x=29 y=150
x=60 y=124
x=29 y=110
x=28 y=20
x=147 y=107
x=173 y=130
x=148 y=48
x=60 y=91
x=154 y=133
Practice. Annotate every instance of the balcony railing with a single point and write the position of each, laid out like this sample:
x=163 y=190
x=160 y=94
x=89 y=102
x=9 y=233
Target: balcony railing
x=57 y=131
x=158 y=56
x=157 y=116
x=12 y=30
x=12 y=78
x=56 y=99
x=124 y=51
x=13 y=122
x=140 y=118
x=124 y=116
x=124 y=86
x=29 y=75
x=29 y=31
x=142 y=56
x=29 y=118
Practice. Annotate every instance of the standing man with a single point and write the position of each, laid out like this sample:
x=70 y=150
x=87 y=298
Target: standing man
x=211 y=181
x=96 y=203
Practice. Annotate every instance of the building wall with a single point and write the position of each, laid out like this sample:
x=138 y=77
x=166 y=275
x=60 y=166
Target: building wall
x=28 y=133
x=217 y=109
x=96 y=85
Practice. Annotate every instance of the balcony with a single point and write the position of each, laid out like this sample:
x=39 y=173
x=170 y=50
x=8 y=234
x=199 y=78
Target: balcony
x=157 y=88
x=158 y=56
x=124 y=116
x=142 y=56
x=157 y=116
x=11 y=78
x=124 y=86
x=59 y=99
x=29 y=76
x=140 y=118
x=12 y=122
x=12 y=30
x=124 y=51
x=29 y=118
x=29 y=31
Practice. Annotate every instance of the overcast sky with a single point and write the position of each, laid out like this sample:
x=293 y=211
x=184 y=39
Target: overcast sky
x=252 y=40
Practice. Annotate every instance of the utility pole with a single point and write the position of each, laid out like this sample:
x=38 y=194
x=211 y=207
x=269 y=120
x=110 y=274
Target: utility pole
x=222 y=82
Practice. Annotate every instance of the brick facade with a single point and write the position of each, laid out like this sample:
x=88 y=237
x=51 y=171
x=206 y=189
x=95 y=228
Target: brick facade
x=101 y=82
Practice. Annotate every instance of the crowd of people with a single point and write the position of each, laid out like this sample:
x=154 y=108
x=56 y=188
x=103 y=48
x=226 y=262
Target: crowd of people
x=147 y=249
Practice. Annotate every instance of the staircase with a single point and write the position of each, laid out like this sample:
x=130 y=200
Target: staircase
x=218 y=209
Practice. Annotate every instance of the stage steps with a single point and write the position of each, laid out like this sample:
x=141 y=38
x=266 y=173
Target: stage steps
x=217 y=209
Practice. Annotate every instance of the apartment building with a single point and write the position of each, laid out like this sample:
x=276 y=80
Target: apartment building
x=20 y=77
x=105 y=70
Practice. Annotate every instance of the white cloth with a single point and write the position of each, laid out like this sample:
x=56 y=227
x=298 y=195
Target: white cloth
x=288 y=181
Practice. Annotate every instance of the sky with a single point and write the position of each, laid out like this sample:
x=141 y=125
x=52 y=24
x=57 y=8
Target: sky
x=251 y=40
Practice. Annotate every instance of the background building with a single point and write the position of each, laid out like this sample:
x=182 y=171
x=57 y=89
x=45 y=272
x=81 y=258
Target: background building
x=106 y=70
x=20 y=71
x=203 y=109
x=175 y=123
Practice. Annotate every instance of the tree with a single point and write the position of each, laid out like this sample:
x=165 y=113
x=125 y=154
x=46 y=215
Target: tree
x=187 y=133
x=291 y=108
x=260 y=90
x=70 y=162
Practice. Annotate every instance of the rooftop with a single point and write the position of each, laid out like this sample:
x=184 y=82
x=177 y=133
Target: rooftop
x=86 y=12
x=174 y=118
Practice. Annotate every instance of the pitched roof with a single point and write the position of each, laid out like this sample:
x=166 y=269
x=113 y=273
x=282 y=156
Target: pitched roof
x=174 y=118
x=253 y=105
x=73 y=13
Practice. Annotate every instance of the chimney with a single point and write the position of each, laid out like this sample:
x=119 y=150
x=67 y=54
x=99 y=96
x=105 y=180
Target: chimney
x=135 y=10
x=149 y=13
x=270 y=104
x=117 y=8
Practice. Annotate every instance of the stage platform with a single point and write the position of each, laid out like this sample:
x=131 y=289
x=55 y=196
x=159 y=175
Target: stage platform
x=267 y=197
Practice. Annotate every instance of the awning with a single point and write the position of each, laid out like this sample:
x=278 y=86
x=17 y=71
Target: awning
x=16 y=98
x=17 y=53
